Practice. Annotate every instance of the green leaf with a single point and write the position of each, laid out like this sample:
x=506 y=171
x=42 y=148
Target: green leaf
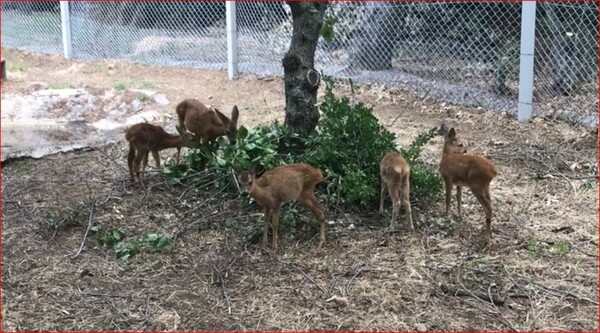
x=163 y=244
x=242 y=132
x=221 y=162
x=150 y=237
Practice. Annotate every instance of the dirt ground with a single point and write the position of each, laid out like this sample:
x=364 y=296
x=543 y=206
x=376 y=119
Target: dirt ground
x=542 y=262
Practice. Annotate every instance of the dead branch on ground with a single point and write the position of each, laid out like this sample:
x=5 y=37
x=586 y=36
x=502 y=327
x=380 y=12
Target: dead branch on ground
x=453 y=291
x=87 y=230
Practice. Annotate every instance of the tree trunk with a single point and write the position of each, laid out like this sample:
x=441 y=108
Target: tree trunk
x=301 y=79
x=374 y=49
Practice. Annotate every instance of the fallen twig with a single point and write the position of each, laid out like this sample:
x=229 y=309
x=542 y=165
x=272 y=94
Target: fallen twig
x=103 y=295
x=575 y=177
x=362 y=266
x=453 y=291
x=90 y=219
x=225 y=294
x=524 y=295
x=235 y=181
x=556 y=292
x=308 y=277
x=110 y=158
x=502 y=319
x=223 y=288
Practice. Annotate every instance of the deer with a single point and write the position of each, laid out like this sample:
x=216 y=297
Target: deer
x=459 y=169
x=206 y=123
x=292 y=182
x=145 y=138
x=395 y=177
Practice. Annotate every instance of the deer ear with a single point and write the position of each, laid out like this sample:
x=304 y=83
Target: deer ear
x=443 y=129
x=253 y=169
x=235 y=113
x=452 y=133
x=179 y=130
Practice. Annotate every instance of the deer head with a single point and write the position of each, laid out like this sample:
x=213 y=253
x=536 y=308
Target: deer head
x=230 y=124
x=452 y=145
x=246 y=179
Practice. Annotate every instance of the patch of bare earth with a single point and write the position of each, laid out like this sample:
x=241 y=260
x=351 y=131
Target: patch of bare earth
x=541 y=268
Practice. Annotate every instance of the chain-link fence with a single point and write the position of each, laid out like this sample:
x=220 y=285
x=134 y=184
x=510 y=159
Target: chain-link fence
x=31 y=25
x=460 y=52
x=566 y=69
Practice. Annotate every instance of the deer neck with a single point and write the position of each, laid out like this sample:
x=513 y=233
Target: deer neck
x=171 y=141
x=258 y=192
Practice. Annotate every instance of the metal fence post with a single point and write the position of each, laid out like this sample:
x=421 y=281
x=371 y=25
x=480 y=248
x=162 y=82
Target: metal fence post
x=65 y=19
x=525 y=107
x=232 y=40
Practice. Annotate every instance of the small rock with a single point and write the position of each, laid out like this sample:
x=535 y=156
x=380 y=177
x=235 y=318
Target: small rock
x=338 y=300
x=421 y=328
x=35 y=86
x=161 y=99
x=351 y=227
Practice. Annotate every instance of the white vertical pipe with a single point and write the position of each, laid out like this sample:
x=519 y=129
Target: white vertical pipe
x=525 y=106
x=232 y=40
x=65 y=19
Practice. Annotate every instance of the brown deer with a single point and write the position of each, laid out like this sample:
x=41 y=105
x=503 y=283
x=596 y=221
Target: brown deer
x=292 y=182
x=145 y=138
x=207 y=124
x=476 y=172
x=395 y=176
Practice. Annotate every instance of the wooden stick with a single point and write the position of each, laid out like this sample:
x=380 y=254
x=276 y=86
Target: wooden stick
x=453 y=291
x=90 y=219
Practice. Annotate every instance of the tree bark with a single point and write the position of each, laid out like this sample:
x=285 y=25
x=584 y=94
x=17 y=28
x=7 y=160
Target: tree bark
x=300 y=78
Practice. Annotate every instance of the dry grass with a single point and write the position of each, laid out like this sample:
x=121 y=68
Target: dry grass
x=543 y=260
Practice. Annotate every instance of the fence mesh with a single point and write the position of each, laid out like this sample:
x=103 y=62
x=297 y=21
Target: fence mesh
x=31 y=25
x=460 y=52
x=566 y=69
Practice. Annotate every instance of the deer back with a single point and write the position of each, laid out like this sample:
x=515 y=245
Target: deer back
x=146 y=136
x=207 y=123
x=462 y=169
x=283 y=183
x=393 y=167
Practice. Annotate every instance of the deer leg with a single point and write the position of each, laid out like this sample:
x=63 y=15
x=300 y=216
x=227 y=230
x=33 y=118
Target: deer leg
x=448 y=194
x=394 y=191
x=156 y=158
x=266 y=226
x=481 y=197
x=405 y=196
x=382 y=198
x=177 y=158
x=275 y=224
x=308 y=199
x=136 y=165
x=459 y=201
x=489 y=212
x=130 y=158
x=144 y=163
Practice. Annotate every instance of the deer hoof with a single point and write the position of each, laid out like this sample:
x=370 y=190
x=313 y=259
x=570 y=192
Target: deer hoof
x=391 y=229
